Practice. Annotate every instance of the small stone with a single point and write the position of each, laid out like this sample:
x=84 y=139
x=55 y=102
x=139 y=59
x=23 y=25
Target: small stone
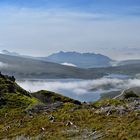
x=51 y=118
x=69 y=123
x=43 y=129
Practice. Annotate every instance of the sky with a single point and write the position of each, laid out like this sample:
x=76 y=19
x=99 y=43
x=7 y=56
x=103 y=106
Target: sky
x=42 y=27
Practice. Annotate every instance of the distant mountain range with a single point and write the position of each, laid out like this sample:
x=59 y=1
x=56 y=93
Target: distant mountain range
x=128 y=62
x=28 y=68
x=81 y=60
x=10 y=53
x=6 y=52
x=22 y=66
x=75 y=59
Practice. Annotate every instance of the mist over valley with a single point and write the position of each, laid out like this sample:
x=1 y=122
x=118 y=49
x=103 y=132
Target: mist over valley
x=83 y=90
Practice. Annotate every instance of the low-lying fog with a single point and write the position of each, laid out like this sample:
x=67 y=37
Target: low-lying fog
x=83 y=90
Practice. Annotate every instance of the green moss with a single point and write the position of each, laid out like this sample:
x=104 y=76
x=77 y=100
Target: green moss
x=17 y=100
x=104 y=102
x=51 y=97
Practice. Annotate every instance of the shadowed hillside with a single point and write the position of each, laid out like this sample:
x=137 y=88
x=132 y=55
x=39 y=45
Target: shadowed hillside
x=29 y=68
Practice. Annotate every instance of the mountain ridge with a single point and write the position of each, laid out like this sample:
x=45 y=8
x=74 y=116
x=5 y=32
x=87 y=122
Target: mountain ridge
x=30 y=68
x=110 y=62
x=81 y=60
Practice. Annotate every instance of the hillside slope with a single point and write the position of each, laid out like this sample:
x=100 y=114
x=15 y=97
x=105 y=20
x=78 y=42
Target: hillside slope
x=81 y=60
x=29 y=68
x=131 y=69
x=128 y=62
x=12 y=95
x=22 y=66
x=48 y=115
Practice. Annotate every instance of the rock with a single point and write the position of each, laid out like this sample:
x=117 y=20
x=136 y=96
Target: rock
x=69 y=123
x=121 y=110
x=92 y=134
x=43 y=129
x=53 y=106
x=112 y=109
x=35 y=109
x=106 y=110
x=57 y=104
x=51 y=118
x=6 y=128
x=97 y=136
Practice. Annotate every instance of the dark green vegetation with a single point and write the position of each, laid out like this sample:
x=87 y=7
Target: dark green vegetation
x=49 y=116
x=112 y=94
x=130 y=94
x=51 y=97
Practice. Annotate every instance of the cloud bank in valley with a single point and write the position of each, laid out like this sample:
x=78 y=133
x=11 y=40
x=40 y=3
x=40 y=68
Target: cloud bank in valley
x=69 y=64
x=81 y=87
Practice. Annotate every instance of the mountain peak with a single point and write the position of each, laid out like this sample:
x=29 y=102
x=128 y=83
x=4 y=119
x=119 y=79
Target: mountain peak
x=9 y=53
x=82 y=60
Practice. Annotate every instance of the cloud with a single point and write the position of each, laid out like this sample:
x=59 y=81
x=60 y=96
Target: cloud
x=3 y=65
x=69 y=64
x=81 y=86
x=44 y=31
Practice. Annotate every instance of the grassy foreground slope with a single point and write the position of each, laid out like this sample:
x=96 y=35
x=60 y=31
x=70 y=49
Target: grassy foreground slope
x=46 y=115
